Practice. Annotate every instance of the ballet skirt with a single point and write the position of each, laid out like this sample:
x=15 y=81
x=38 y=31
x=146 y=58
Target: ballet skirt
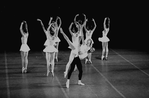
x=24 y=48
x=46 y=43
x=104 y=39
x=50 y=46
x=57 y=39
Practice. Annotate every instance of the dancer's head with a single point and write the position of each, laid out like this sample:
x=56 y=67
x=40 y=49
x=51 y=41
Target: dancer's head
x=52 y=29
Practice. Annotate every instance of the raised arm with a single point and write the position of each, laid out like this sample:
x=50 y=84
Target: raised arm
x=104 y=23
x=76 y=17
x=70 y=29
x=94 y=25
x=84 y=25
x=50 y=20
x=58 y=18
x=67 y=39
x=107 y=28
x=58 y=26
x=21 y=29
x=42 y=25
x=108 y=22
x=26 y=27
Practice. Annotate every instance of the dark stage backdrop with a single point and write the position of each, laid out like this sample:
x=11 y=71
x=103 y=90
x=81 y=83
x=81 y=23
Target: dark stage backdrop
x=128 y=27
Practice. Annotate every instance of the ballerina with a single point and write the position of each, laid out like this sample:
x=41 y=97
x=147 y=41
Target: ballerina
x=50 y=49
x=24 y=47
x=57 y=40
x=89 y=41
x=104 y=39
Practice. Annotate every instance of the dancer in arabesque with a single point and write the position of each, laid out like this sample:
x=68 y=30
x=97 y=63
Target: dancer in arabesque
x=76 y=61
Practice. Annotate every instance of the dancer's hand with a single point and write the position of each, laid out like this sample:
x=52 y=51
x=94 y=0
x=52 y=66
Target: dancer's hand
x=39 y=20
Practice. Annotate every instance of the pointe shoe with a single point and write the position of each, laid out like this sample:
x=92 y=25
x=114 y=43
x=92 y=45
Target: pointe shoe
x=102 y=57
x=23 y=69
x=67 y=84
x=80 y=83
x=52 y=74
x=106 y=58
x=48 y=73
x=90 y=61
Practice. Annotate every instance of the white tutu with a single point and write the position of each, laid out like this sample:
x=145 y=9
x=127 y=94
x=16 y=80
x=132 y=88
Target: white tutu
x=50 y=49
x=24 y=48
x=46 y=43
x=57 y=39
x=104 y=39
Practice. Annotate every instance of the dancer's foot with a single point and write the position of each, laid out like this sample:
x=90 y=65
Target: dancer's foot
x=23 y=69
x=48 y=73
x=102 y=57
x=52 y=74
x=80 y=83
x=106 y=58
x=67 y=84
x=90 y=61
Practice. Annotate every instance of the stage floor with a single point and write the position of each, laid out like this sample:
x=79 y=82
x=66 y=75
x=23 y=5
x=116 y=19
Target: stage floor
x=124 y=75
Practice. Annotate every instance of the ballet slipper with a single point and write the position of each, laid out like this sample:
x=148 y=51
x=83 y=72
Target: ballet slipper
x=23 y=69
x=53 y=74
x=48 y=73
x=102 y=57
x=80 y=83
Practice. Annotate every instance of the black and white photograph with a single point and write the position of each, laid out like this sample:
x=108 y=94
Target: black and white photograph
x=74 y=49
